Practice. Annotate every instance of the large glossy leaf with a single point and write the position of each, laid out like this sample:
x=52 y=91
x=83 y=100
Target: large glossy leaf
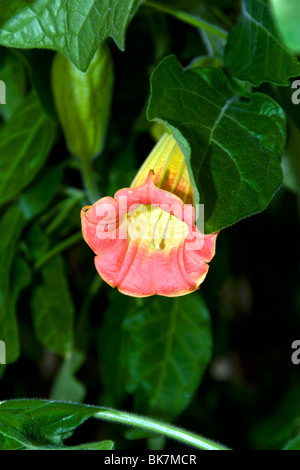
x=255 y=52
x=11 y=283
x=232 y=145
x=38 y=424
x=53 y=310
x=167 y=346
x=25 y=143
x=74 y=28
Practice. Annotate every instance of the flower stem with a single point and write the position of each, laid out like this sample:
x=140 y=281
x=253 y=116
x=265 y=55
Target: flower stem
x=59 y=248
x=159 y=428
x=89 y=180
x=189 y=19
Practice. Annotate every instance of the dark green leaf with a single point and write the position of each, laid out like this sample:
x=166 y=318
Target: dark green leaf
x=25 y=142
x=232 y=145
x=13 y=73
x=109 y=346
x=2 y=370
x=75 y=28
x=9 y=330
x=38 y=424
x=11 y=282
x=167 y=347
x=102 y=445
x=38 y=63
x=38 y=195
x=66 y=386
x=291 y=160
x=279 y=425
x=36 y=243
x=254 y=51
x=29 y=345
x=53 y=309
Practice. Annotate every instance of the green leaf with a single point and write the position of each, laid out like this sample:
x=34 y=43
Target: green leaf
x=25 y=140
x=291 y=160
x=9 y=329
x=38 y=424
x=76 y=29
x=2 y=370
x=38 y=63
x=109 y=347
x=36 y=197
x=294 y=444
x=11 y=282
x=277 y=426
x=167 y=347
x=102 y=445
x=66 y=386
x=287 y=14
x=53 y=309
x=13 y=73
x=35 y=243
x=232 y=144
x=254 y=51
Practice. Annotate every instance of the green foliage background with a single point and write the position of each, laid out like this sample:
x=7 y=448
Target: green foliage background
x=218 y=74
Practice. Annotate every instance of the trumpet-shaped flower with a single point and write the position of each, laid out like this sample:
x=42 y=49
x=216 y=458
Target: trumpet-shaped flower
x=145 y=238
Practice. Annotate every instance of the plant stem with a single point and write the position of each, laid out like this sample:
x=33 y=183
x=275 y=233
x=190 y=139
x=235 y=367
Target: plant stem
x=59 y=248
x=89 y=180
x=187 y=18
x=159 y=428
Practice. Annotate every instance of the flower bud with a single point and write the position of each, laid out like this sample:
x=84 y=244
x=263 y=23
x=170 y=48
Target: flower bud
x=170 y=170
x=83 y=101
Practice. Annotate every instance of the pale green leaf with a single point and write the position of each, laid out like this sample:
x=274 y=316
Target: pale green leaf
x=66 y=386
